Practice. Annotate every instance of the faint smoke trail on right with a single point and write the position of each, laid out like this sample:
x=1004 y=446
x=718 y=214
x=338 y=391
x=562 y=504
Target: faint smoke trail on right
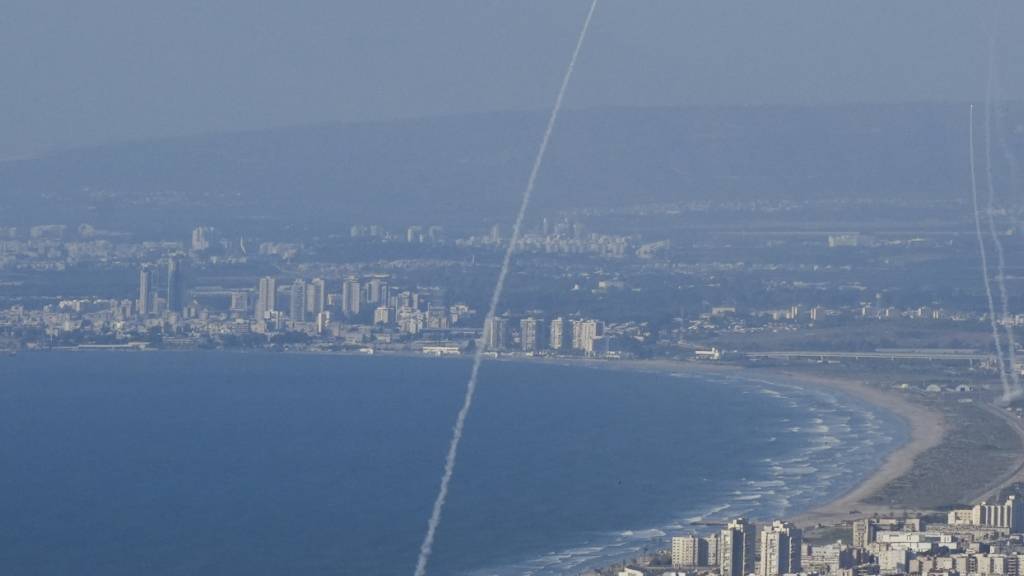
x=1004 y=319
x=1001 y=118
x=984 y=270
x=427 y=547
x=1000 y=112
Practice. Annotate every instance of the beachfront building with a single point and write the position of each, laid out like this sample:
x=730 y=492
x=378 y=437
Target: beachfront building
x=558 y=332
x=496 y=333
x=531 y=331
x=689 y=551
x=584 y=335
x=714 y=549
x=780 y=549
x=1007 y=516
x=736 y=546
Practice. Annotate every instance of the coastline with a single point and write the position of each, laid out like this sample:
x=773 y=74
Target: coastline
x=926 y=427
x=619 y=537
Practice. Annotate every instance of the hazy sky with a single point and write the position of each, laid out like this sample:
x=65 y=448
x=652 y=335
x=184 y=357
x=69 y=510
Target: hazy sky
x=79 y=73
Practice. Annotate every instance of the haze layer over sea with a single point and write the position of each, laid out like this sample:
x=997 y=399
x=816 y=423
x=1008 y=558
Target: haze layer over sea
x=232 y=463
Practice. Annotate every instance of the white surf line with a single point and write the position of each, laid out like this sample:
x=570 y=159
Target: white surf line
x=1011 y=343
x=984 y=268
x=460 y=421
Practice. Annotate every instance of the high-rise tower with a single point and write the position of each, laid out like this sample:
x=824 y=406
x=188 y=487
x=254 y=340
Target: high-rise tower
x=780 y=549
x=316 y=297
x=145 y=303
x=297 y=303
x=351 y=296
x=736 y=546
x=175 y=285
x=531 y=334
x=266 y=300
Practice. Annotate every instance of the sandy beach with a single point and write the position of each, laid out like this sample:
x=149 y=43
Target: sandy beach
x=926 y=427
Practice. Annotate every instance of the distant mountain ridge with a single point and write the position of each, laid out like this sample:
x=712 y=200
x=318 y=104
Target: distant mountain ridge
x=467 y=168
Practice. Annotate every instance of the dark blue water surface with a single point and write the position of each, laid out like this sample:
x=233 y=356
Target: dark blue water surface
x=260 y=464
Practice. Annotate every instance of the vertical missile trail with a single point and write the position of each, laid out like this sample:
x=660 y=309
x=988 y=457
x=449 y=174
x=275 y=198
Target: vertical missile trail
x=984 y=268
x=1011 y=343
x=1008 y=155
x=460 y=422
x=1000 y=111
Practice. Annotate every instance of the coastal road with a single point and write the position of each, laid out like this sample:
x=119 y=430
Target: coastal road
x=932 y=356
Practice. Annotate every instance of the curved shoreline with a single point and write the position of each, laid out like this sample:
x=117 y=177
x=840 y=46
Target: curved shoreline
x=851 y=396
x=926 y=427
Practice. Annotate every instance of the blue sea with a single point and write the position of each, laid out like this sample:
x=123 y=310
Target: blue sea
x=185 y=463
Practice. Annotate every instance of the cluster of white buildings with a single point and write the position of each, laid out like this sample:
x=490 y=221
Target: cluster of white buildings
x=582 y=335
x=367 y=300
x=984 y=540
x=734 y=550
x=1007 y=516
x=562 y=237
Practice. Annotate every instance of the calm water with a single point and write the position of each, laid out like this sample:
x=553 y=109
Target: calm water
x=260 y=464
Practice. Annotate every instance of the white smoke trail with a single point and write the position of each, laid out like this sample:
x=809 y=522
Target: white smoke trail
x=1000 y=111
x=460 y=421
x=984 y=269
x=1012 y=164
x=1011 y=343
